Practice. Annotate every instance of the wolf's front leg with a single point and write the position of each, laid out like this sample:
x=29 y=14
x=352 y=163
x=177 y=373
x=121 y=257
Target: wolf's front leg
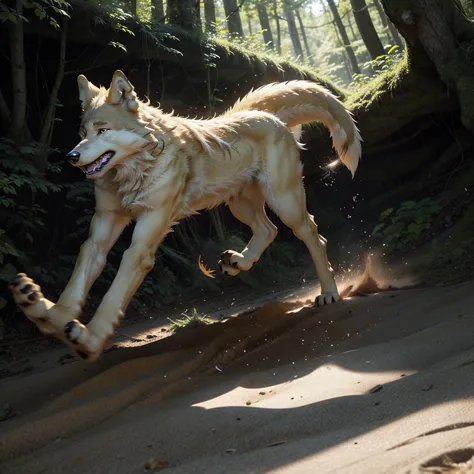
x=137 y=261
x=106 y=226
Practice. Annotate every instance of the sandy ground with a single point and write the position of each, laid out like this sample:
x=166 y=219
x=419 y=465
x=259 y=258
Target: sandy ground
x=374 y=384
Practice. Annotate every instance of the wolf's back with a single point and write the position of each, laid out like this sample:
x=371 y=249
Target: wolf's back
x=298 y=102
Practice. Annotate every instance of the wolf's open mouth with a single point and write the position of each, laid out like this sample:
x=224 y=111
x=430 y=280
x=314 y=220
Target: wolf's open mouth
x=98 y=165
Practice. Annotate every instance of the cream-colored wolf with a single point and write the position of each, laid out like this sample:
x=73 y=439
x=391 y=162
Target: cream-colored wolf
x=157 y=168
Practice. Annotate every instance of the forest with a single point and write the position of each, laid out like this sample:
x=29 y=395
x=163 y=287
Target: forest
x=404 y=68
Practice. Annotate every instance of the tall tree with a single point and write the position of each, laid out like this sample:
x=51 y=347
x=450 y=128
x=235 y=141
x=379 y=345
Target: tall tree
x=18 y=128
x=295 y=39
x=265 y=23
x=388 y=24
x=232 y=13
x=303 y=33
x=345 y=39
x=276 y=16
x=184 y=13
x=367 y=29
x=210 y=15
x=157 y=10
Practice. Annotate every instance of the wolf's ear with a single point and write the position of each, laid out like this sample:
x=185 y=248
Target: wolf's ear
x=87 y=91
x=122 y=92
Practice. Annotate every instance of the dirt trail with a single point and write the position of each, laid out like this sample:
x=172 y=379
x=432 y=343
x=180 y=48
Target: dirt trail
x=283 y=388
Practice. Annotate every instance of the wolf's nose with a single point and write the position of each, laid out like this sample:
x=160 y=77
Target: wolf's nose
x=73 y=157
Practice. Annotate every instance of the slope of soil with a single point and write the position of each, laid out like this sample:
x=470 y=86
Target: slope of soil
x=380 y=383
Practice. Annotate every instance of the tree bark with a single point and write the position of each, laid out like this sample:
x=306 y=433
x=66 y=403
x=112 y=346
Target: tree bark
x=184 y=13
x=48 y=119
x=133 y=7
x=18 y=129
x=277 y=21
x=210 y=15
x=295 y=39
x=265 y=23
x=234 y=22
x=157 y=10
x=303 y=34
x=366 y=28
x=344 y=37
x=5 y=114
x=439 y=30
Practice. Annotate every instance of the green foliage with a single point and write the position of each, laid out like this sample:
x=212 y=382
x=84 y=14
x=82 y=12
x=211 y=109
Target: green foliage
x=43 y=9
x=401 y=228
x=19 y=214
x=186 y=321
x=380 y=65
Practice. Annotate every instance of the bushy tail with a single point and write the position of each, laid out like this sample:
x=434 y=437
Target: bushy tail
x=298 y=102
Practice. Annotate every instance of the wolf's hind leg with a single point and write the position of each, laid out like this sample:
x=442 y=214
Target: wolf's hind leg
x=249 y=208
x=285 y=194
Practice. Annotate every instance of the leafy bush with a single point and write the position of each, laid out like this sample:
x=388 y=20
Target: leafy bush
x=400 y=229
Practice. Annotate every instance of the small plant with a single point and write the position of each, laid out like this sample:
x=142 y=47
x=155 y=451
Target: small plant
x=399 y=229
x=378 y=65
x=193 y=320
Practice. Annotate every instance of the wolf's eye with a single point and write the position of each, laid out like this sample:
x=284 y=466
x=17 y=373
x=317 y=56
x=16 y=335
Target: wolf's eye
x=102 y=130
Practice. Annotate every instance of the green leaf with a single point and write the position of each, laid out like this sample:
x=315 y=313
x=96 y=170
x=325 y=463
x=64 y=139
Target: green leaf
x=8 y=272
x=377 y=228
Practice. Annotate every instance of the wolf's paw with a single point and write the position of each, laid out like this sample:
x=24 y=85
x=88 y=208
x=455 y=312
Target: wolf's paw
x=327 y=298
x=83 y=341
x=28 y=296
x=231 y=263
x=25 y=291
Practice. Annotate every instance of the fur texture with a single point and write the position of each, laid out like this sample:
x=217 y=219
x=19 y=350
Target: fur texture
x=157 y=168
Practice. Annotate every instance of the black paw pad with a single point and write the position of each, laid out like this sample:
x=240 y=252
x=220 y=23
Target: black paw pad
x=27 y=288
x=82 y=355
x=68 y=327
x=33 y=296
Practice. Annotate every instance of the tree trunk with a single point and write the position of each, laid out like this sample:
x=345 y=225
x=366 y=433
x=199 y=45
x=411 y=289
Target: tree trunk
x=438 y=29
x=157 y=10
x=48 y=119
x=210 y=15
x=344 y=37
x=388 y=24
x=133 y=7
x=265 y=23
x=303 y=33
x=351 y=26
x=5 y=114
x=381 y=13
x=18 y=128
x=184 y=13
x=366 y=28
x=277 y=20
x=295 y=39
x=234 y=22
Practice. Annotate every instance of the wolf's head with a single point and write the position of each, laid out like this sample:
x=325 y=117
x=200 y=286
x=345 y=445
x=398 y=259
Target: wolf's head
x=111 y=130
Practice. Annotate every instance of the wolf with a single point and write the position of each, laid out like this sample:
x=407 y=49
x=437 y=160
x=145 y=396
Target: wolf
x=156 y=168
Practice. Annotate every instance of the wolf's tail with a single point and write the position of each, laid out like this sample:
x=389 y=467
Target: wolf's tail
x=298 y=102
